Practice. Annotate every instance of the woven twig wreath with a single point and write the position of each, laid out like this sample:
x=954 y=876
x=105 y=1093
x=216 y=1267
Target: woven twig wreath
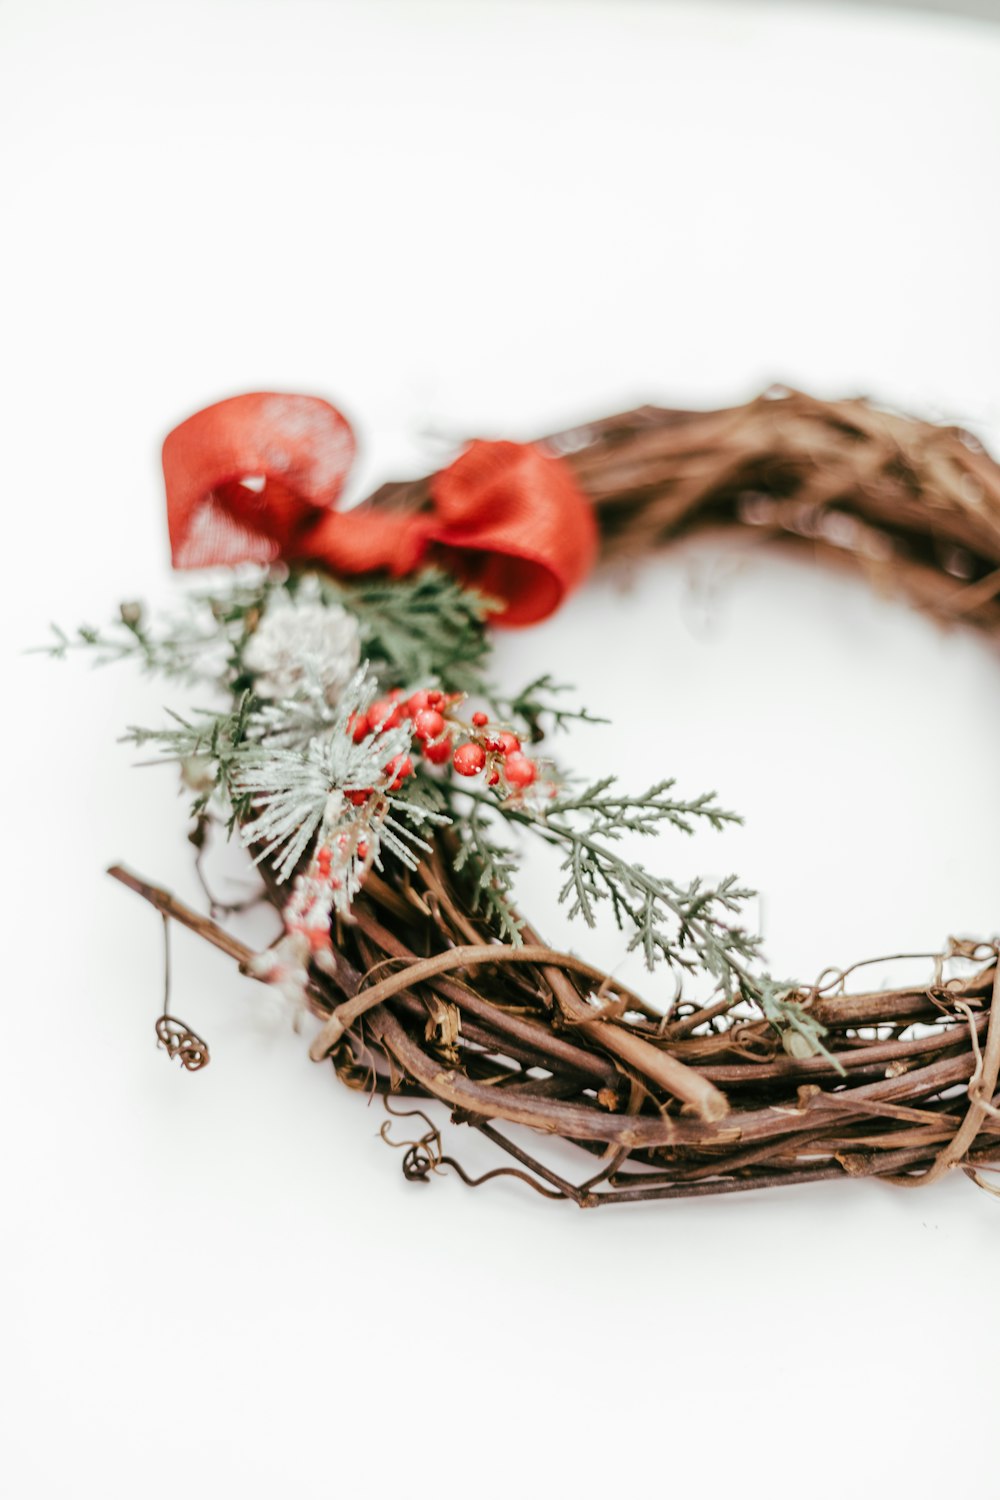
x=420 y=1001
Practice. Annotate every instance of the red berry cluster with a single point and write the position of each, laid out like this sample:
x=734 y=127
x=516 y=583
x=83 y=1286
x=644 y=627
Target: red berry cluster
x=435 y=729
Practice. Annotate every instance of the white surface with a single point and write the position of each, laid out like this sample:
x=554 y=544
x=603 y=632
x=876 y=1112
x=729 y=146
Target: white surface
x=492 y=219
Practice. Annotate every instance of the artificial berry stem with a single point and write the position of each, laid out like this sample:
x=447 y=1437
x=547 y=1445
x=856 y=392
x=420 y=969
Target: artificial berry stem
x=442 y=737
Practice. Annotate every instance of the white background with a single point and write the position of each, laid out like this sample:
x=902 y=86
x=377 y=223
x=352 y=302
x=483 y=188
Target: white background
x=480 y=219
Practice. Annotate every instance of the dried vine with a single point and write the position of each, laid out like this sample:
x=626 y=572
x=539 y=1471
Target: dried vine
x=422 y=1001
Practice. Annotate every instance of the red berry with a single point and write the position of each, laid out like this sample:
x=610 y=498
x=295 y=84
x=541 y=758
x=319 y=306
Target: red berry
x=519 y=770
x=438 y=751
x=435 y=699
x=493 y=743
x=428 y=724
x=493 y=778
x=359 y=798
x=417 y=701
x=358 y=727
x=362 y=849
x=384 y=714
x=397 y=770
x=469 y=759
x=480 y=720
x=509 y=743
x=323 y=860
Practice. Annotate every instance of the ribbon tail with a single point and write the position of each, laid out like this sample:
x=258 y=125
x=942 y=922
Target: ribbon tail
x=516 y=526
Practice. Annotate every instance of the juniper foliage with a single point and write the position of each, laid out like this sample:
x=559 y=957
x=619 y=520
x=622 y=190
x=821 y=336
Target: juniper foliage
x=800 y=1032
x=258 y=759
x=688 y=926
x=492 y=867
x=425 y=627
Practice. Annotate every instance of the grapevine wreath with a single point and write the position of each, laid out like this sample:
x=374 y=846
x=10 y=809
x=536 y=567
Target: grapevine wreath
x=358 y=748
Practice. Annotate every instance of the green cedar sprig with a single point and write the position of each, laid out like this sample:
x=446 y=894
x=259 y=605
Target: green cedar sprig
x=425 y=627
x=538 y=705
x=689 y=926
x=493 y=868
x=428 y=628
x=800 y=1032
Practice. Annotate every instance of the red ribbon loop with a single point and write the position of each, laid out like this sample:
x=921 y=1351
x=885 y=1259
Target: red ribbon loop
x=255 y=478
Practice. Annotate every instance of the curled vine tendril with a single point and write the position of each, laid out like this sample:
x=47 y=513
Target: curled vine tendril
x=425 y=1156
x=176 y=1038
x=178 y=1041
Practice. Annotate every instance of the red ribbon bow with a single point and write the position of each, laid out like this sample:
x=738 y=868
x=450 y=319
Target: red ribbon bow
x=255 y=478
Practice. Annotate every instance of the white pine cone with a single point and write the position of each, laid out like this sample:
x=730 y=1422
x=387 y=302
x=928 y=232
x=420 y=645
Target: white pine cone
x=300 y=645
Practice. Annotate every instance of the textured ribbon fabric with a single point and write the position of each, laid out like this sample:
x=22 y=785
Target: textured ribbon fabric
x=256 y=478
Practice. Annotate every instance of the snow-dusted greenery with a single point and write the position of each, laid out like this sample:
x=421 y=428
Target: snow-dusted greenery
x=410 y=629
x=295 y=791
x=279 y=653
x=303 y=642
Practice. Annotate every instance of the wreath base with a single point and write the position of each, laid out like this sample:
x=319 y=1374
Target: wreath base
x=905 y=1107
x=421 y=1001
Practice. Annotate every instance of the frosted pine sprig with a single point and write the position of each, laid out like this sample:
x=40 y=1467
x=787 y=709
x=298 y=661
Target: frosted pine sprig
x=294 y=792
x=336 y=796
x=309 y=774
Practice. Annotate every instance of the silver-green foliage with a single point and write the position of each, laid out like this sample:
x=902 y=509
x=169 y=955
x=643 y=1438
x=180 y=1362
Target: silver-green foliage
x=272 y=765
